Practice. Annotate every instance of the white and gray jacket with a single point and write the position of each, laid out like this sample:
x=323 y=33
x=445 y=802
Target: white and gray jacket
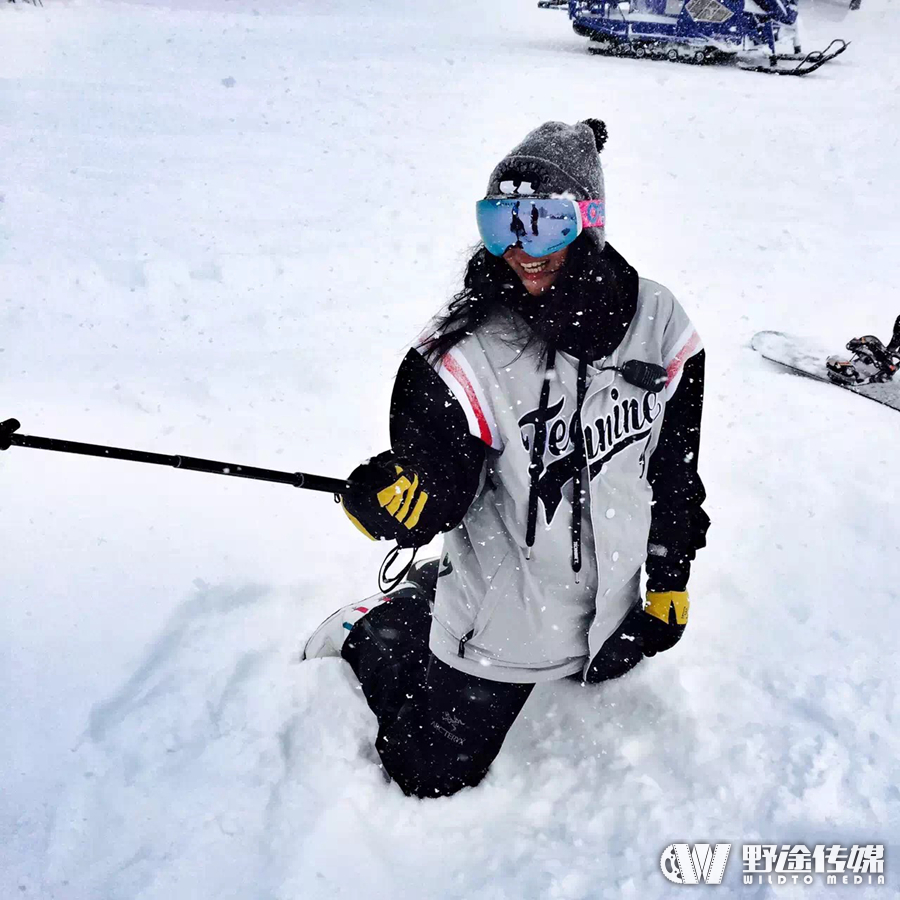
x=511 y=612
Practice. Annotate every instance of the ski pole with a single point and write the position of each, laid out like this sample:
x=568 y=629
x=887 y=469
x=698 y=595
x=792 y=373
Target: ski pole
x=8 y=438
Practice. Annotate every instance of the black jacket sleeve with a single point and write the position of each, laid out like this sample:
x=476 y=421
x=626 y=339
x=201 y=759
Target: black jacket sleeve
x=679 y=524
x=429 y=431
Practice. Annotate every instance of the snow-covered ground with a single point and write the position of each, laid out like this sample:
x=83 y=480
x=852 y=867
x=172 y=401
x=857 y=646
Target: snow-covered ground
x=221 y=221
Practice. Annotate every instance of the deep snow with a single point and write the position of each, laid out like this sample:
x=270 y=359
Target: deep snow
x=221 y=221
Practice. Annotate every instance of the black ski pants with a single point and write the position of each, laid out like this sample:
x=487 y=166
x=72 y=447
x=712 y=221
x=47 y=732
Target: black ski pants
x=439 y=729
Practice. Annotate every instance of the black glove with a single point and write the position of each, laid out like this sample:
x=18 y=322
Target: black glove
x=652 y=627
x=388 y=501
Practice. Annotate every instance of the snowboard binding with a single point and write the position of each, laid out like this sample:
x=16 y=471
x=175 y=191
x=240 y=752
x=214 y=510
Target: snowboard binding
x=871 y=363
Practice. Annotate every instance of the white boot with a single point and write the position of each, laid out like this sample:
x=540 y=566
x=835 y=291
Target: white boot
x=328 y=639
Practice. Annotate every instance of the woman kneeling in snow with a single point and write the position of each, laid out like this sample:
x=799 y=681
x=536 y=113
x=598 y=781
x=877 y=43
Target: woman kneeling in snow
x=549 y=423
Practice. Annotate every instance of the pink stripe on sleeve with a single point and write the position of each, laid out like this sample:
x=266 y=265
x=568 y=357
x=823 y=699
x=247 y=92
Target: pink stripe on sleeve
x=675 y=367
x=454 y=368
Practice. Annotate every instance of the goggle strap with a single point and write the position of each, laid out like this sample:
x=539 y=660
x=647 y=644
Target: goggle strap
x=591 y=214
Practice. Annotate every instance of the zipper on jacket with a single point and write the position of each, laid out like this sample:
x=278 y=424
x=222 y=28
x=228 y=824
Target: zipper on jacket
x=463 y=641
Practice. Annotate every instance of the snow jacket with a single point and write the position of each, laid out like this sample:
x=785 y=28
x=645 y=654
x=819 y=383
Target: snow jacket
x=503 y=440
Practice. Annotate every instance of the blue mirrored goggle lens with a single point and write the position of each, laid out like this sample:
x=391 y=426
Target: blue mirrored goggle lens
x=539 y=226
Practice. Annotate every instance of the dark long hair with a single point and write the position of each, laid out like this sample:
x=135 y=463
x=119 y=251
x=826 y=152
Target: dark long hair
x=490 y=285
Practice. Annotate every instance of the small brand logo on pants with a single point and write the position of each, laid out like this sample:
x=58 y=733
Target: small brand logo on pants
x=683 y=864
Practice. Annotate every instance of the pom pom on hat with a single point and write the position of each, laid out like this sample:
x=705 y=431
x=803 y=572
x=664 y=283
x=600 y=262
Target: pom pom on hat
x=600 y=132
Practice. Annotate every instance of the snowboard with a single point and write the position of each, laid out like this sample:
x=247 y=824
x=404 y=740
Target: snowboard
x=802 y=357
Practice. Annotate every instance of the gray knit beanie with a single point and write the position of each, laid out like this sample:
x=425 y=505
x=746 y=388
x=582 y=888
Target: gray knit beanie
x=556 y=158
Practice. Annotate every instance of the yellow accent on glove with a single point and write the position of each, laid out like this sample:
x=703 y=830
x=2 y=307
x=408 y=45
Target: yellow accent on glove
x=357 y=523
x=658 y=604
x=413 y=520
x=397 y=499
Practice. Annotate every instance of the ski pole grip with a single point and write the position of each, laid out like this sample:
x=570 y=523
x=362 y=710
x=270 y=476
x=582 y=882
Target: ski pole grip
x=7 y=429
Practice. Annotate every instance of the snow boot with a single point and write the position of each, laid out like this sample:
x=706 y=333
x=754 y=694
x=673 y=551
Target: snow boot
x=871 y=362
x=328 y=639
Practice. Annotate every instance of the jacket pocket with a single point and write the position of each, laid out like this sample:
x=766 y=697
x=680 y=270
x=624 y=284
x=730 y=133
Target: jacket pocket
x=497 y=587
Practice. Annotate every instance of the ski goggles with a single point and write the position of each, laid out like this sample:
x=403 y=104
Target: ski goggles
x=538 y=226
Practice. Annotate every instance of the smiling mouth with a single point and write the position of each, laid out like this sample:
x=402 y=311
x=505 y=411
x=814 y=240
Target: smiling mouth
x=533 y=268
